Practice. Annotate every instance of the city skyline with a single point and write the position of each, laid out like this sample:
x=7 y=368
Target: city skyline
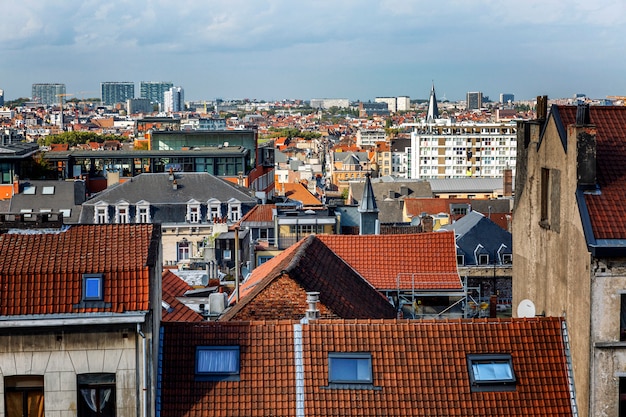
x=283 y=50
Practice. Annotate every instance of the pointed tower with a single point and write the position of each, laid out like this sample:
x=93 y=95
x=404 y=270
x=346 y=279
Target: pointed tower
x=433 y=112
x=368 y=211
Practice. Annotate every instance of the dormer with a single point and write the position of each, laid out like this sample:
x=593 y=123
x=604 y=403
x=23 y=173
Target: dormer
x=214 y=209
x=234 y=210
x=122 y=212
x=142 y=212
x=101 y=212
x=193 y=211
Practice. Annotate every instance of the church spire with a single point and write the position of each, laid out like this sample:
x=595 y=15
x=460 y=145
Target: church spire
x=433 y=112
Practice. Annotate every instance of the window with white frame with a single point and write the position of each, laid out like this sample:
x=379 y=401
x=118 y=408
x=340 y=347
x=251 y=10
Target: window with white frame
x=214 y=210
x=143 y=213
x=121 y=213
x=234 y=211
x=183 y=250
x=483 y=259
x=101 y=214
x=193 y=213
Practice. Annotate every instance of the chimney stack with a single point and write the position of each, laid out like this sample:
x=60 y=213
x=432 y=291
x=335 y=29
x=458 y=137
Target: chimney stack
x=312 y=298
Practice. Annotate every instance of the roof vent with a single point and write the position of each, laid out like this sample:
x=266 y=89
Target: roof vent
x=312 y=298
x=174 y=185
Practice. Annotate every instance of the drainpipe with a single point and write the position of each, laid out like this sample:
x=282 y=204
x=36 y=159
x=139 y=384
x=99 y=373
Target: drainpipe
x=145 y=371
x=237 y=262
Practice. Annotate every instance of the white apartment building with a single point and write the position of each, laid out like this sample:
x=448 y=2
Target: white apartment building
x=327 y=103
x=403 y=103
x=174 y=100
x=450 y=150
x=369 y=137
x=392 y=103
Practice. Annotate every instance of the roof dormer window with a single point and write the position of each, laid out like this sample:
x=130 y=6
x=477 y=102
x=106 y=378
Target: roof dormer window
x=122 y=212
x=143 y=212
x=101 y=213
x=214 y=210
x=234 y=210
x=193 y=211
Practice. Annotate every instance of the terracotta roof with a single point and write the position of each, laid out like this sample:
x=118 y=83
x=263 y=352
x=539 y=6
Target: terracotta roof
x=260 y=213
x=418 y=368
x=277 y=289
x=42 y=273
x=298 y=192
x=172 y=287
x=417 y=206
x=607 y=210
x=425 y=261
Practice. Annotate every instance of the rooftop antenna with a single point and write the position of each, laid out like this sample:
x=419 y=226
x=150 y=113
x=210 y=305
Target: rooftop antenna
x=526 y=308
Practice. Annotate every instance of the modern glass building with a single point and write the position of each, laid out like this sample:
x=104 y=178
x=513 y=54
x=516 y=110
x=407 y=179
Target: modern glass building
x=47 y=93
x=116 y=92
x=155 y=90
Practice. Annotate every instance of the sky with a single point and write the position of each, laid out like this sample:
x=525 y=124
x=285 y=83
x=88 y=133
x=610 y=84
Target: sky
x=291 y=49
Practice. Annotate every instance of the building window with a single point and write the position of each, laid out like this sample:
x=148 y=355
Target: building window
x=121 y=213
x=491 y=372
x=622 y=397
x=24 y=396
x=193 y=213
x=183 y=250
x=483 y=259
x=214 y=210
x=460 y=260
x=102 y=215
x=350 y=368
x=507 y=258
x=93 y=287
x=96 y=395
x=550 y=199
x=217 y=363
x=234 y=212
x=227 y=254
x=263 y=259
x=622 y=318
x=143 y=214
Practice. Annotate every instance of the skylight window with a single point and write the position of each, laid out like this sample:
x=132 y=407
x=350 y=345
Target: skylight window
x=491 y=372
x=29 y=190
x=92 y=287
x=350 y=368
x=214 y=363
x=48 y=190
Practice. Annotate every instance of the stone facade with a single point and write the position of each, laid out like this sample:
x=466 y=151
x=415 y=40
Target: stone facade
x=60 y=356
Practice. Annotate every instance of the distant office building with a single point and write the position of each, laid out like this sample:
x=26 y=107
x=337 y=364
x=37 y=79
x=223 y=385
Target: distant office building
x=48 y=94
x=155 y=90
x=116 y=92
x=203 y=124
x=474 y=100
x=371 y=109
x=404 y=103
x=369 y=137
x=1 y=97
x=392 y=103
x=174 y=100
x=507 y=98
x=138 y=105
x=327 y=103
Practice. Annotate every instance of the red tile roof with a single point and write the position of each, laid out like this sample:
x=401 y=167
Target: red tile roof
x=298 y=192
x=42 y=273
x=419 y=368
x=607 y=210
x=277 y=289
x=417 y=206
x=172 y=287
x=425 y=261
x=260 y=213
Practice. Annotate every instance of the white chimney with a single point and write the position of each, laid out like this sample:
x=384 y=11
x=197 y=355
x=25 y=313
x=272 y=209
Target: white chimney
x=312 y=298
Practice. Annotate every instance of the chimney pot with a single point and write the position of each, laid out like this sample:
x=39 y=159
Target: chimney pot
x=312 y=298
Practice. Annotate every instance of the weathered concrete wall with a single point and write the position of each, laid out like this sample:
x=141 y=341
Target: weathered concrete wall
x=551 y=263
x=61 y=356
x=609 y=355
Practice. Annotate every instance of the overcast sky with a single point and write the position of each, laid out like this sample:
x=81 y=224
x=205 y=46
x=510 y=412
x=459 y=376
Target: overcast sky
x=284 y=49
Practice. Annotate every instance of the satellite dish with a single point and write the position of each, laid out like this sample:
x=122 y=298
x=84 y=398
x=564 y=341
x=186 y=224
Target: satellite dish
x=526 y=308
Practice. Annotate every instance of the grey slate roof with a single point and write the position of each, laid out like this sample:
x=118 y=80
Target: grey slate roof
x=61 y=195
x=475 y=229
x=169 y=204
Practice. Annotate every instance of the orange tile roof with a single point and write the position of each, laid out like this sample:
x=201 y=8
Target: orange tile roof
x=172 y=287
x=417 y=206
x=298 y=192
x=260 y=213
x=425 y=261
x=418 y=367
x=277 y=288
x=607 y=210
x=42 y=273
